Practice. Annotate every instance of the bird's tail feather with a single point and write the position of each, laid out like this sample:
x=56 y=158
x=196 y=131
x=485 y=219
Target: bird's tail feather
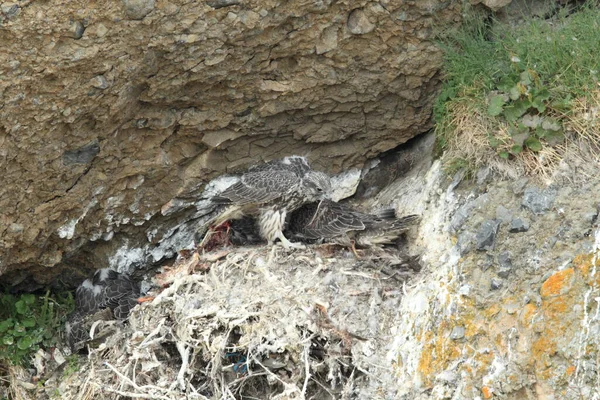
x=405 y=222
x=387 y=213
x=219 y=200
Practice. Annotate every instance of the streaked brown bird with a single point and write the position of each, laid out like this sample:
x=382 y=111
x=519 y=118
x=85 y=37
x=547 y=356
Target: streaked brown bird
x=270 y=192
x=337 y=223
x=106 y=290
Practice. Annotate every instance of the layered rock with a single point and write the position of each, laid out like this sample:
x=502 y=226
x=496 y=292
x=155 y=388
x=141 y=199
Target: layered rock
x=111 y=110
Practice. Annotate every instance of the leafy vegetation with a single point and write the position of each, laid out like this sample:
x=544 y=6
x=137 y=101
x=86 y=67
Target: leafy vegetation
x=28 y=322
x=521 y=83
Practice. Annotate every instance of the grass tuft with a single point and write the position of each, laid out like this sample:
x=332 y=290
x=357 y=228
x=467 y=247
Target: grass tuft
x=521 y=99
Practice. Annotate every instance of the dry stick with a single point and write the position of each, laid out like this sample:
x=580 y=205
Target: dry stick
x=324 y=387
x=243 y=378
x=184 y=352
x=270 y=373
x=87 y=381
x=153 y=333
x=133 y=384
x=306 y=372
x=135 y=395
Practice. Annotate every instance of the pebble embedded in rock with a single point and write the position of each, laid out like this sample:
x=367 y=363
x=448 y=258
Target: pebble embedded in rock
x=503 y=214
x=504 y=264
x=77 y=30
x=519 y=185
x=518 y=225
x=486 y=235
x=465 y=242
x=216 y=4
x=138 y=9
x=82 y=155
x=537 y=201
x=496 y=283
x=358 y=23
x=99 y=82
x=101 y=30
x=10 y=9
x=483 y=175
x=495 y=5
x=458 y=332
x=461 y=215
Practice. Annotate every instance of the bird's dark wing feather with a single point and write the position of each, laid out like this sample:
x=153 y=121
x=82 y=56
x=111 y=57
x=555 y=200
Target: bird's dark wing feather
x=87 y=300
x=402 y=224
x=333 y=219
x=120 y=289
x=259 y=187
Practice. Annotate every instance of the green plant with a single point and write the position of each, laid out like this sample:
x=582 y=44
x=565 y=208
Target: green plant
x=28 y=322
x=522 y=102
x=513 y=89
x=72 y=365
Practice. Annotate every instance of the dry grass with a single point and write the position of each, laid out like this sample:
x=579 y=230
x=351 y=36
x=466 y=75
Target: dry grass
x=254 y=323
x=577 y=158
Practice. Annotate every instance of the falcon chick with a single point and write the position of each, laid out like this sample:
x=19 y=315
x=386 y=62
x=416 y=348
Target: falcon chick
x=108 y=290
x=270 y=192
x=340 y=224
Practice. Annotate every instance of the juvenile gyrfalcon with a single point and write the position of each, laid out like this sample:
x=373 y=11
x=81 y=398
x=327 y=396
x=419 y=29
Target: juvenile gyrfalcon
x=338 y=223
x=270 y=192
x=107 y=289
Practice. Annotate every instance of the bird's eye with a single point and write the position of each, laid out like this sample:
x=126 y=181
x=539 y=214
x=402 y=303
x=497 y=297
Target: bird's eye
x=319 y=189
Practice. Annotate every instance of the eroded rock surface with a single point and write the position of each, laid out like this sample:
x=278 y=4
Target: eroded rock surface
x=516 y=320
x=113 y=110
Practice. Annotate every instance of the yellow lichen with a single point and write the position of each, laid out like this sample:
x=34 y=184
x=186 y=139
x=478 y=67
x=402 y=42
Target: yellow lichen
x=527 y=315
x=555 y=308
x=543 y=346
x=558 y=283
x=570 y=370
x=487 y=392
x=438 y=352
x=584 y=264
x=492 y=310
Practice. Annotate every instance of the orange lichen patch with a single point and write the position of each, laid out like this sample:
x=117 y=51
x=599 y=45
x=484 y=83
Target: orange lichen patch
x=585 y=264
x=484 y=359
x=487 y=392
x=492 y=311
x=555 y=308
x=543 y=346
x=438 y=352
x=559 y=283
x=570 y=370
x=528 y=314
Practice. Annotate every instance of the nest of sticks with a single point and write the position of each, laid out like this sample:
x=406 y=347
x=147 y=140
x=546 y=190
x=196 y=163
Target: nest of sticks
x=253 y=323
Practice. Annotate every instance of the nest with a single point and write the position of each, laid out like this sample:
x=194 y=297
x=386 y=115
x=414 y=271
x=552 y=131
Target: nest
x=262 y=323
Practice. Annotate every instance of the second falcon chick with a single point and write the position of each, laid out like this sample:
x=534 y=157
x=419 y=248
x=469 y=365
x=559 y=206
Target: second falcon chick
x=338 y=223
x=107 y=290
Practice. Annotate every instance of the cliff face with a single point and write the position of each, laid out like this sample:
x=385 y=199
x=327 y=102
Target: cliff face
x=508 y=305
x=112 y=110
x=505 y=306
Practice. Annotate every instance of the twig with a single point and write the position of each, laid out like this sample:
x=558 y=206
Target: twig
x=153 y=333
x=306 y=371
x=133 y=384
x=184 y=352
x=134 y=395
